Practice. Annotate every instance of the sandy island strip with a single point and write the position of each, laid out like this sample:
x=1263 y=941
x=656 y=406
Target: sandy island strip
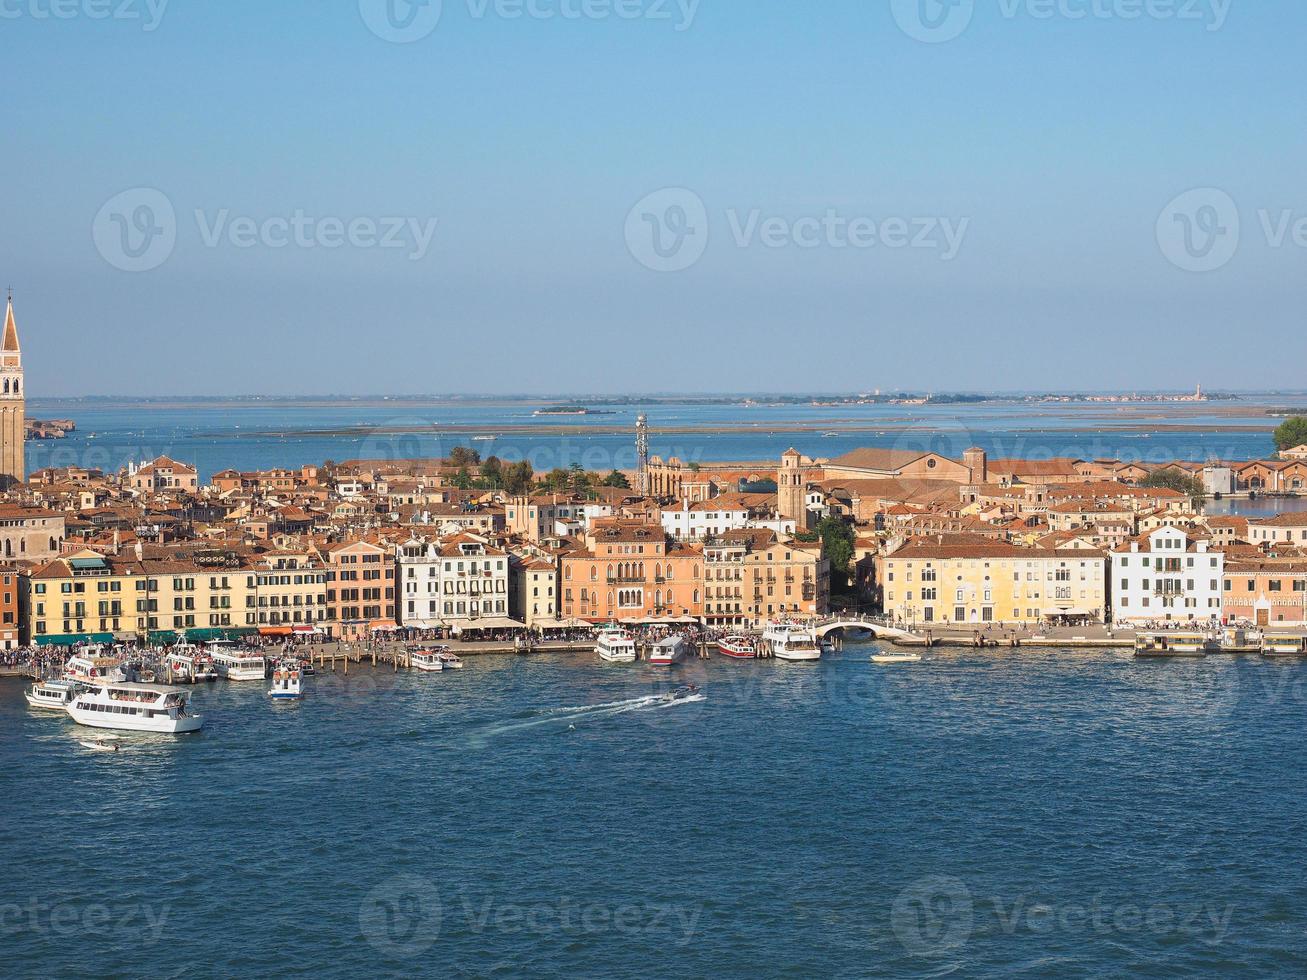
x=819 y=428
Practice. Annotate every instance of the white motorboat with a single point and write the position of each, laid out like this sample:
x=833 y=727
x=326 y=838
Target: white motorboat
x=135 y=708
x=674 y=649
x=790 y=641
x=237 y=663
x=615 y=645
x=52 y=695
x=895 y=658
x=95 y=666
x=287 y=683
x=105 y=743
x=428 y=661
x=450 y=660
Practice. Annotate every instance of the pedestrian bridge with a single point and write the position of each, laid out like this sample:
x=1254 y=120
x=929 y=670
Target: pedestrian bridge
x=878 y=626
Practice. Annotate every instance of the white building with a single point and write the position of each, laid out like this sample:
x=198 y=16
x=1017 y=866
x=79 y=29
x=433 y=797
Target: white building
x=714 y=517
x=1168 y=577
x=455 y=582
x=419 y=584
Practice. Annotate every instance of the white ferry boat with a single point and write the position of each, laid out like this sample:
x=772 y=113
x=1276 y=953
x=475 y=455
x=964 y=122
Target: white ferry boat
x=94 y=666
x=52 y=695
x=1284 y=645
x=186 y=664
x=1175 y=644
x=428 y=661
x=287 y=683
x=674 y=649
x=237 y=663
x=450 y=660
x=135 y=708
x=615 y=646
x=790 y=641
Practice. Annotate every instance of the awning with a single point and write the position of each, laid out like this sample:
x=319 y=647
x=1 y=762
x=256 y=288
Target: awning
x=303 y=630
x=383 y=626
x=1067 y=612
x=566 y=624
x=274 y=631
x=490 y=623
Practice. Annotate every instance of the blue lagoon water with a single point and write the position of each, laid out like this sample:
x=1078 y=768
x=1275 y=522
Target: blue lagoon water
x=981 y=814
x=264 y=434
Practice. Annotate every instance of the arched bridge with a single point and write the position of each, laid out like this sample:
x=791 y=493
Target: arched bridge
x=878 y=626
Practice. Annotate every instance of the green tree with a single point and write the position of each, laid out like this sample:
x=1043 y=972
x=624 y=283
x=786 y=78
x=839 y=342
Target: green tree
x=617 y=479
x=837 y=541
x=557 y=479
x=519 y=478
x=492 y=473
x=1291 y=433
x=1173 y=479
x=463 y=456
x=463 y=479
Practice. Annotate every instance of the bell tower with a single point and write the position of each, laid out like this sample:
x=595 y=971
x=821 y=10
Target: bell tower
x=13 y=402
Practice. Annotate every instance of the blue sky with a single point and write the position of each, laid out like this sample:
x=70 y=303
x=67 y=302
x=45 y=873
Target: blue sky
x=1051 y=146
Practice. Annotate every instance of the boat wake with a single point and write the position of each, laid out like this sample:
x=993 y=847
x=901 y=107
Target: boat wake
x=568 y=718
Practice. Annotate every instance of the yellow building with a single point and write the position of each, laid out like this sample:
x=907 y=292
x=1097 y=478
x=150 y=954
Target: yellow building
x=86 y=596
x=925 y=581
x=283 y=592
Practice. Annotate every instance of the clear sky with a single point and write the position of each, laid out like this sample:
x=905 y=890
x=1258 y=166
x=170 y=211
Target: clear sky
x=996 y=210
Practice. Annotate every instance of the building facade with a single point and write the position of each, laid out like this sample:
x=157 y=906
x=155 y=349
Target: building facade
x=1167 y=576
x=975 y=584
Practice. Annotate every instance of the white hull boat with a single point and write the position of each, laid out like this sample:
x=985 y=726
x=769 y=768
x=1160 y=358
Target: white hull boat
x=287 y=683
x=52 y=695
x=427 y=662
x=135 y=708
x=670 y=651
x=615 y=646
x=895 y=658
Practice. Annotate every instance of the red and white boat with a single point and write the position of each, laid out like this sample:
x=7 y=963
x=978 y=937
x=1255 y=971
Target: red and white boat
x=738 y=647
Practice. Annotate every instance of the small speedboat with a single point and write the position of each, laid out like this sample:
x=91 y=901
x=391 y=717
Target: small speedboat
x=307 y=668
x=895 y=658
x=105 y=743
x=450 y=660
x=681 y=693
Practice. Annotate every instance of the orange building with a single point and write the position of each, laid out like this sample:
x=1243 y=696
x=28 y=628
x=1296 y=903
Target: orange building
x=360 y=588
x=631 y=572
